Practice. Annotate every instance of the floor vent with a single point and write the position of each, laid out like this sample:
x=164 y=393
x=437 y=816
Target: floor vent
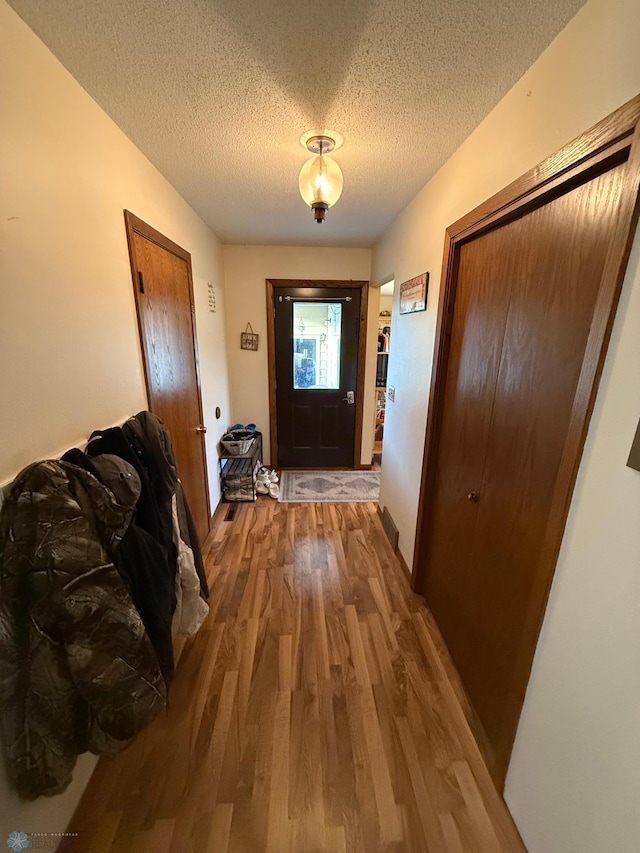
x=231 y=512
x=390 y=529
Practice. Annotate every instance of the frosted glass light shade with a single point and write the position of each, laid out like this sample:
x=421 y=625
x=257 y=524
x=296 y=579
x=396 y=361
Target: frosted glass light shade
x=321 y=181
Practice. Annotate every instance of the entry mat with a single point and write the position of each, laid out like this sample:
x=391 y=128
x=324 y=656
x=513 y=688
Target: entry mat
x=329 y=486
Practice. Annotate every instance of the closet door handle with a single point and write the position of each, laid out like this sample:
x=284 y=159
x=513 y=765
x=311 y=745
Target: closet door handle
x=201 y=428
x=474 y=497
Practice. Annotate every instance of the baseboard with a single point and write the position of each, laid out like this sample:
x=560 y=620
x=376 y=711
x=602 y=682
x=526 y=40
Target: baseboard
x=218 y=511
x=403 y=565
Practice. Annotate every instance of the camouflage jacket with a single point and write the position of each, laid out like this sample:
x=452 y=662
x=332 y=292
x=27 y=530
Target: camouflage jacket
x=77 y=670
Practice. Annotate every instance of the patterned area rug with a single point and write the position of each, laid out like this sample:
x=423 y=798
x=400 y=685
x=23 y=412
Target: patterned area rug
x=329 y=486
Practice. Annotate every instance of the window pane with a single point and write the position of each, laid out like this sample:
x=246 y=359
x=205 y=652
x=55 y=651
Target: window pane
x=316 y=344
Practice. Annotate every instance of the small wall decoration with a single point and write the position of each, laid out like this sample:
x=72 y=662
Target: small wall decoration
x=413 y=294
x=211 y=290
x=248 y=339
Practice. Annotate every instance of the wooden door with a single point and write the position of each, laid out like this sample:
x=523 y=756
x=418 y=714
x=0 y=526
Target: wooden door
x=317 y=354
x=164 y=297
x=530 y=301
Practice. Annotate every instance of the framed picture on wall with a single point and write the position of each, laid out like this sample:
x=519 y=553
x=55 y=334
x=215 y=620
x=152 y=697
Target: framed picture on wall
x=413 y=294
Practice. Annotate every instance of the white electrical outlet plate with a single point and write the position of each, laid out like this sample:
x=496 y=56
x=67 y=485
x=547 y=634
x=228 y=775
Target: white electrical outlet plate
x=391 y=393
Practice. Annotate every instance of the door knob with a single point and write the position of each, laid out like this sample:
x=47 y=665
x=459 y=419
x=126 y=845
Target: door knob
x=474 y=497
x=201 y=428
x=350 y=398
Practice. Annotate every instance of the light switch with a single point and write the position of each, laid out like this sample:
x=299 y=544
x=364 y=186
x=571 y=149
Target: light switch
x=391 y=394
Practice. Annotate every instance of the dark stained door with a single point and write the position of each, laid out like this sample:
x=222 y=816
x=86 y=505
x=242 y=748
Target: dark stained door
x=164 y=297
x=526 y=293
x=316 y=356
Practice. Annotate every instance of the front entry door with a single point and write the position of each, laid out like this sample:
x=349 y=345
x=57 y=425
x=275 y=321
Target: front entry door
x=316 y=357
x=164 y=298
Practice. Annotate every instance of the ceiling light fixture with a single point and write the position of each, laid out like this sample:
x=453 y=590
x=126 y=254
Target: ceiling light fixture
x=320 y=178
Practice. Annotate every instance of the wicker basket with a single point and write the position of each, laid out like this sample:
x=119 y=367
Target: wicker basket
x=237 y=446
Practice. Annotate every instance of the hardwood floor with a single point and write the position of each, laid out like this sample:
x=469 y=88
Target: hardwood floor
x=312 y=712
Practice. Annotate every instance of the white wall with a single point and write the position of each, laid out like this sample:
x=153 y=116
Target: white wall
x=246 y=269
x=574 y=780
x=386 y=303
x=69 y=352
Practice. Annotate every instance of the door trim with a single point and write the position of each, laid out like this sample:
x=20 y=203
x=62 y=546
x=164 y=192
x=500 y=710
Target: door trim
x=272 y=284
x=135 y=225
x=615 y=139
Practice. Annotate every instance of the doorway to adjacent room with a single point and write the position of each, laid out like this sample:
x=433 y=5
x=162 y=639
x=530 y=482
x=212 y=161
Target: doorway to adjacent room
x=382 y=366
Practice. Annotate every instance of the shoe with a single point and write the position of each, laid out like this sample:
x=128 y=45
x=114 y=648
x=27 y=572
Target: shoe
x=264 y=482
x=262 y=488
x=273 y=476
x=274 y=491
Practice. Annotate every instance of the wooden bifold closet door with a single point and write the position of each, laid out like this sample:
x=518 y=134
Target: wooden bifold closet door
x=528 y=306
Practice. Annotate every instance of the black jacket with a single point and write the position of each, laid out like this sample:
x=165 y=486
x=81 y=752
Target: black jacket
x=114 y=441
x=150 y=439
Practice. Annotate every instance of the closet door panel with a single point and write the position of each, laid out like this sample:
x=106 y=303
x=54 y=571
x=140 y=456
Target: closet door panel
x=482 y=300
x=525 y=299
x=562 y=248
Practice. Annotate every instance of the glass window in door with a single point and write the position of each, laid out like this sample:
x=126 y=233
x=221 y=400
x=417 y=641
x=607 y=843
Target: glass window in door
x=317 y=329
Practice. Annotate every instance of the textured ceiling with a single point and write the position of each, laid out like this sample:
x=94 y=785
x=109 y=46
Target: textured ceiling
x=218 y=92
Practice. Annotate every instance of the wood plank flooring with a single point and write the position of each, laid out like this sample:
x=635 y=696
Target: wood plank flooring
x=314 y=711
